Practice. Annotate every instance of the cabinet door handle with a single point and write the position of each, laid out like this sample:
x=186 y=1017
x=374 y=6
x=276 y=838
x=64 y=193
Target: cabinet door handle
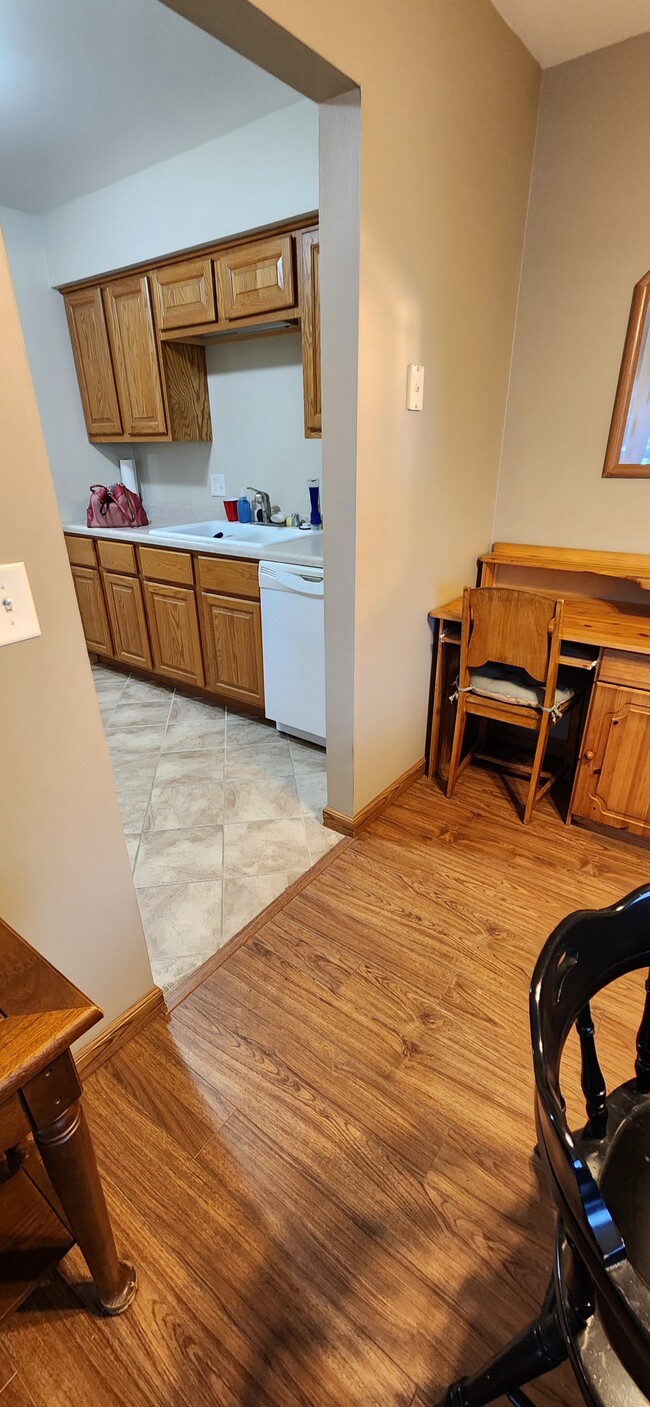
x=588 y=756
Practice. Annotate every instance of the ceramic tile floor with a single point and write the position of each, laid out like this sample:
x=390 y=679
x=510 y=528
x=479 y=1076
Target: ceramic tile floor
x=220 y=814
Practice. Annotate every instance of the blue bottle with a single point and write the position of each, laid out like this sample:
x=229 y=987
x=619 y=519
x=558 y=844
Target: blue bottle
x=244 y=512
x=314 y=516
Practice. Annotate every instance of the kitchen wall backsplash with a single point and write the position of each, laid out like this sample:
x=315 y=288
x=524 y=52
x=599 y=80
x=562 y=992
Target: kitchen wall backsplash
x=255 y=390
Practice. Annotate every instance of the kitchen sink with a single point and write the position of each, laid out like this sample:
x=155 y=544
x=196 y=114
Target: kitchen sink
x=235 y=534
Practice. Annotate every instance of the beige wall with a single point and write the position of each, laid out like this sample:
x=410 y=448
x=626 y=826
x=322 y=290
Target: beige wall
x=586 y=246
x=448 y=113
x=65 y=879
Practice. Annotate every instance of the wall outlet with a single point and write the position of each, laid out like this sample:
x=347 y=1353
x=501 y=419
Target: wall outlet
x=218 y=485
x=18 y=618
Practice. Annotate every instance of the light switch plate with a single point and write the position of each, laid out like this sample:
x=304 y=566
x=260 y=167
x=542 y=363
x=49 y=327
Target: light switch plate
x=218 y=485
x=414 y=387
x=18 y=618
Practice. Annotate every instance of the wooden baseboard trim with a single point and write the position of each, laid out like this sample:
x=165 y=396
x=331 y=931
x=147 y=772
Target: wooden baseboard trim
x=352 y=825
x=119 y=1032
x=195 y=979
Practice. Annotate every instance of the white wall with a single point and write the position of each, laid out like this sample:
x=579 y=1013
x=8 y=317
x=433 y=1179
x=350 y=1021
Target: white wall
x=264 y=172
x=65 y=876
x=586 y=247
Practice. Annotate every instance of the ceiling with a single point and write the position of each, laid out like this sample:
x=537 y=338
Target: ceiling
x=94 y=90
x=556 y=30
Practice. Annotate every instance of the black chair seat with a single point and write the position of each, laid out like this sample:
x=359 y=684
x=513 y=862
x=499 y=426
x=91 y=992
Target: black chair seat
x=598 y=1369
x=596 y=1311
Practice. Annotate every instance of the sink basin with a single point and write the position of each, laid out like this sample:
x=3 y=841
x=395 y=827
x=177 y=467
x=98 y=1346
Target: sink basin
x=234 y=534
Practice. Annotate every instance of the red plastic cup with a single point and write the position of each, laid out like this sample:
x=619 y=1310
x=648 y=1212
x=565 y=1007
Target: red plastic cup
x=230 y=505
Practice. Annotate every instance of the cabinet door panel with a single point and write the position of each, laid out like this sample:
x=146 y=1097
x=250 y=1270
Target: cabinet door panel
x=183 y=294
x=92 y=358
x=126 y=611
x=92 y=609
x=309 y=296
x=613 y=779
x=232 y=633
x=135 y=355
x=256 y=278
x=174 y=631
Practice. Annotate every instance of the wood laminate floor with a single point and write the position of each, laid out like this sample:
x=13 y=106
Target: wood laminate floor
x=321 y=1163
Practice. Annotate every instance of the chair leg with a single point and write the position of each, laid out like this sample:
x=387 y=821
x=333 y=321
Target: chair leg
x=536 y=1350
x=457 y=744
x=542 y=739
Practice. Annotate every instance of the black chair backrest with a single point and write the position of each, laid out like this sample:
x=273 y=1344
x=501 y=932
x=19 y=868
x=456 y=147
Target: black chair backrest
x=587 y=951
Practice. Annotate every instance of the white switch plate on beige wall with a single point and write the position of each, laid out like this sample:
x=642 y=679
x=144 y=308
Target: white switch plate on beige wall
x=18 y=618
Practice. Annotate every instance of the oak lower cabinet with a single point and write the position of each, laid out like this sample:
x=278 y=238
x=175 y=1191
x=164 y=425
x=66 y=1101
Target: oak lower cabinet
x=612 y=783
x=174 y=631
x=92 y=609
x=127 y=617
x=232 y=637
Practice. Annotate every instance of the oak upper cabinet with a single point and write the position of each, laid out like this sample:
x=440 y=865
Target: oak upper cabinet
x=128 y=624
x=612 y=783
x=183 y=294
x=255 y=278
x=92 y=356
x=308 y=248
x=135 y=355
x=174 y=631
x=232 y=636
x=92 y=609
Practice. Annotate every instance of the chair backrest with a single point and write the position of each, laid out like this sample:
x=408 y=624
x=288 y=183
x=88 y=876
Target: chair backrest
x=587 y=951
x=522 y=629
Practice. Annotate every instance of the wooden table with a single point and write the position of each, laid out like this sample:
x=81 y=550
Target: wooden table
x=607 y=633
x=50 y=1192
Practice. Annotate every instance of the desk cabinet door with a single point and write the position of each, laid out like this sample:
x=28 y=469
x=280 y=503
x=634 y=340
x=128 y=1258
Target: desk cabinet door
x=92 y=609
x=126 y=611
x=174 y=631
x=232 y=633
x=613 y=780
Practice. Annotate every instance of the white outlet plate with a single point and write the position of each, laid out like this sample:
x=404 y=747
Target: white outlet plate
x=18 y=618
x=218 y=485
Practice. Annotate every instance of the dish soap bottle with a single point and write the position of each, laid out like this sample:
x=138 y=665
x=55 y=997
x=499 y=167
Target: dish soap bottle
x=244 y=512
x=314 y=493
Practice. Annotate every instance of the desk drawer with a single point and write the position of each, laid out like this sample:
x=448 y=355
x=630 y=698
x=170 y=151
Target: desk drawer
x=161 y=565
x=626 y=669
x=117 y=556
x=14 y=1124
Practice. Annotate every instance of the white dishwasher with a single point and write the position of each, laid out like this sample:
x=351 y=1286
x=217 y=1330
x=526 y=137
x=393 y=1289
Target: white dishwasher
x=293 y=643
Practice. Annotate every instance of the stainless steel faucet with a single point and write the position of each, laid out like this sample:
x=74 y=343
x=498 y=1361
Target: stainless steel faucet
x=261 y=505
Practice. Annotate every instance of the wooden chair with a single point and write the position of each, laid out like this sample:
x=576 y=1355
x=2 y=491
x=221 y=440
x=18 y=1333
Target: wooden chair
x=509 y=652
x=596 y=1311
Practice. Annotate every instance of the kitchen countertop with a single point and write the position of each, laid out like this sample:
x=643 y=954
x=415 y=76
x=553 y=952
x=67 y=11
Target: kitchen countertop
x=303 y=551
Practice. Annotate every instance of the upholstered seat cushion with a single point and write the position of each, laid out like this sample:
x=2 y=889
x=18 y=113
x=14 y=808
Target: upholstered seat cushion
x=515 y=686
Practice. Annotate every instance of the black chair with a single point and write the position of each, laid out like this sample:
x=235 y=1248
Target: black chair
x=596 y=1311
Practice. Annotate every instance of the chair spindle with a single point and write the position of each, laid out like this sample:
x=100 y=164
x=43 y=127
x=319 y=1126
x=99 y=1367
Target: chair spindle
x=591 y=1075
x=642 y=1062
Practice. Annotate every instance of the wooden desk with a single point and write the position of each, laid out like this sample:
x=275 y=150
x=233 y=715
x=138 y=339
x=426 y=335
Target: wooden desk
x=50 y=1192
x=609 y=635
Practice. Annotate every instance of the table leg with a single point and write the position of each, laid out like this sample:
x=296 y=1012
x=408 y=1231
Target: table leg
x=66 y=1149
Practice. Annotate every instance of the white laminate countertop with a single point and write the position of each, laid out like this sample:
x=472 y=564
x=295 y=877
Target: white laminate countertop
x=303 y=551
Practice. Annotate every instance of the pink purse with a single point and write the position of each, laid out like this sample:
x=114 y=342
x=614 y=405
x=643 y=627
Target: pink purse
x=115 y=507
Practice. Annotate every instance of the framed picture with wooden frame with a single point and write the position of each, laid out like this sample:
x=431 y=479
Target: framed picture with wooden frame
x=628 y=447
